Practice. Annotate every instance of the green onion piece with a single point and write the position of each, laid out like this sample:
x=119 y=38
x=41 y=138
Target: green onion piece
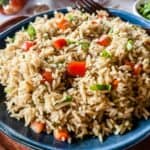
x=46 y=36
x=84 y=45
x=110 y=31
x=68 y=98
x=31 y=31
x=8 y=90
x=148 y=16
x=70 y=42
x=100 y=87
x=59 y=64
x=144 y=10
x=129 y=45
x=11 y=39
x=4 y=2
x=23 y=29
x=70 y=17
x=105 y=54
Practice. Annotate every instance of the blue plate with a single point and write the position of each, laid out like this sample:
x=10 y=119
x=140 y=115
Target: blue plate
x=16 y=130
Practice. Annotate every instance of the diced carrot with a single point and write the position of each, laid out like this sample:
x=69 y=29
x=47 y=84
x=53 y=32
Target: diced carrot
x=27 y=45
x=104 y=40
x=37 y=127
x=61 y=135
x=63 y=24
x=137 y=69
x=76 y=68
x=47 y=76
x=60 y=43
x=115 y=83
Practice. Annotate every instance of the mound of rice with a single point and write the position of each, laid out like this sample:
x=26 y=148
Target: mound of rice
x=113 y=92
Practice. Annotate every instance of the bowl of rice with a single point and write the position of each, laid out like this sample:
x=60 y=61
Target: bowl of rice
x=72 y=80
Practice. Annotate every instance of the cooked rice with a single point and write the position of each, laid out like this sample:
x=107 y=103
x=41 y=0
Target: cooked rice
x=98 y=113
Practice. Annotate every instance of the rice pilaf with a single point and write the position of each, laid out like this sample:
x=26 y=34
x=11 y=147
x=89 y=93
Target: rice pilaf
x=77 y=74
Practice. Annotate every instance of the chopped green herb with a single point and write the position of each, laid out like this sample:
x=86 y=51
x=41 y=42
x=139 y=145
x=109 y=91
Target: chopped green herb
x=129 y=45
x=31 y=31
x=4 y=2
x=105 y=54
x=68 y=98
x=100 y=87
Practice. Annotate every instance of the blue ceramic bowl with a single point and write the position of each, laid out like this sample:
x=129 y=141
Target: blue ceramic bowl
x=16 y=130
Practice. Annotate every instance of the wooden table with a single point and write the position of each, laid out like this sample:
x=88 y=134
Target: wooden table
x=8 y=144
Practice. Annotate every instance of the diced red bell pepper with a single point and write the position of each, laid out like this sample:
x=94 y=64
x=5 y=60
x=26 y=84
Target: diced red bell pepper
x=27 y=45
x=104 y=40
x=60 y=43
x=12 y=7
x=47 y=76
x=76 y=68
x=61 y=135
x=37 y=127
x=17 y=2
x=137 y=69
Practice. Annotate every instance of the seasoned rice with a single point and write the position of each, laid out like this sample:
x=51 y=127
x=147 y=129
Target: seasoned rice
x=89 y=112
